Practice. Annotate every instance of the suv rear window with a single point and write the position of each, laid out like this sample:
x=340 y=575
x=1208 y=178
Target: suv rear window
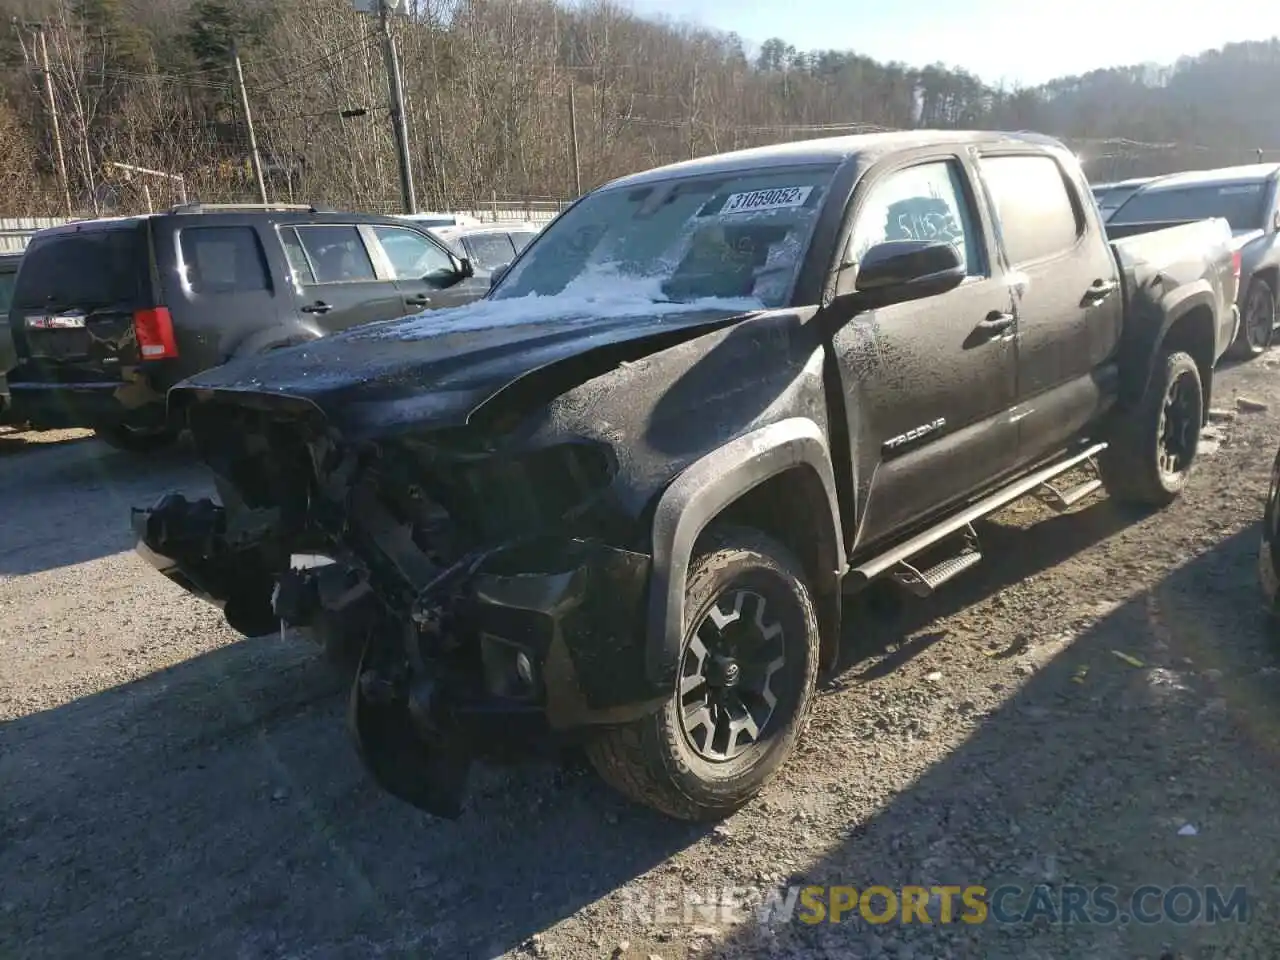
x=223 y=259
x=87 y=269
x=7 y=278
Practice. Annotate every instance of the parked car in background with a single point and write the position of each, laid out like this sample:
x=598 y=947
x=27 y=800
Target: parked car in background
x=1111 y=195
x=619 y=500
x=440 y=219
x=108 y=314
x=490 y=245
x=1246 y=197
x=8 y=272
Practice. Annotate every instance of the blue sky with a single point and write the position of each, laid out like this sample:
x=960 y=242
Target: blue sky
x=996 y=39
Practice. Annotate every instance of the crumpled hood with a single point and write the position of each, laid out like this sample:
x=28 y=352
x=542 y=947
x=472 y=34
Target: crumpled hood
x=437 y=367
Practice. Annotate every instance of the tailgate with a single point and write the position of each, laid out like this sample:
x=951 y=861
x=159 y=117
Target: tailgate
x=76 y=293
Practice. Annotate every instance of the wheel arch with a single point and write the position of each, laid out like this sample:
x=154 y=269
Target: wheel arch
x=778 y=479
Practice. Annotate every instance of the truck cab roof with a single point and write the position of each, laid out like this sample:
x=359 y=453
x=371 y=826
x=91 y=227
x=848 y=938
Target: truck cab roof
x=869 y=146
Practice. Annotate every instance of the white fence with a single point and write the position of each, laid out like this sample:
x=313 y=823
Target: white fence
x=16 y=231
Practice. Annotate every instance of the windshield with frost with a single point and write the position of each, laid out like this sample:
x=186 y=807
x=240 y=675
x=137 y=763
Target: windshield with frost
x=736 y=236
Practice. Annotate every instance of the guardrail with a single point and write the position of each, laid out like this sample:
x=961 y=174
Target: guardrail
x=15 y=232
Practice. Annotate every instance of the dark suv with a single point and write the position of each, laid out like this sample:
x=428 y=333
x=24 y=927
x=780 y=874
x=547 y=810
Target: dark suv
x=108 y=314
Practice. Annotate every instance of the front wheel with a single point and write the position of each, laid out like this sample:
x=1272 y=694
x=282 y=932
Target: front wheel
x=1150 y=452
x=742 y=692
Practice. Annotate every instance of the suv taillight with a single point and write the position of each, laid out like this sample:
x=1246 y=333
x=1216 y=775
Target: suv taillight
x=1235 y=264
x=154 y=332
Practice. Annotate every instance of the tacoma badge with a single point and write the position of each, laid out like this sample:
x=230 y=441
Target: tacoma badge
x=915 y=433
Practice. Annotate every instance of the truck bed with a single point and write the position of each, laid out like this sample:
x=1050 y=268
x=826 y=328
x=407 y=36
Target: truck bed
x=1164 y=256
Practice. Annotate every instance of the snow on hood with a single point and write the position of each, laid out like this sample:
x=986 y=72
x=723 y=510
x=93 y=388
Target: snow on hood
x=593 y=296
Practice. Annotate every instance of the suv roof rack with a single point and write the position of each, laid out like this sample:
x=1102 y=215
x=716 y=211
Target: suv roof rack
x=198 y=207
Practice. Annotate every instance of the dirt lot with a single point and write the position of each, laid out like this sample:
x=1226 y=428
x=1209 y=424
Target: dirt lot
x=1071 y=711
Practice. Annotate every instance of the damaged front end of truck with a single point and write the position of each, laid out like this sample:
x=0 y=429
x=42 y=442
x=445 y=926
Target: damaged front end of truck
x=470 y=581
x=464 y=548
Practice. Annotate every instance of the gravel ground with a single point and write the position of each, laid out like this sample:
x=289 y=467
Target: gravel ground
x=1066 y=713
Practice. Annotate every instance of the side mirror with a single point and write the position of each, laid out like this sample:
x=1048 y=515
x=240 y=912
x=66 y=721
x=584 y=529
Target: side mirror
x=1275 y=220
x=899 y=271
x=466 y=268
x=498 y=273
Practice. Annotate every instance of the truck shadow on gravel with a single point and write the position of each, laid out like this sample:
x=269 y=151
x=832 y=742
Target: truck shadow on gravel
x=880 y=622
x=217 y=809
x=68 y=503
x=1149 y=768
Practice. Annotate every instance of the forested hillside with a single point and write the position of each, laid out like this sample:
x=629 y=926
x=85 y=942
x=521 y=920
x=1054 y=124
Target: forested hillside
x=488 y=86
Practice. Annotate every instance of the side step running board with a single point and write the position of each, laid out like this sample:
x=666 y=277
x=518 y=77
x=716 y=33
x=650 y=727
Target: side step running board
x=1061 y=500
x=953 y=524
x=924 y=582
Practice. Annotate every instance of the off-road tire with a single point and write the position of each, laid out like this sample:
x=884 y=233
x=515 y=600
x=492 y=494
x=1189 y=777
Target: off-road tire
x=650 y=760
x=137 y=441
x=1247 y=345
x=1130 y=466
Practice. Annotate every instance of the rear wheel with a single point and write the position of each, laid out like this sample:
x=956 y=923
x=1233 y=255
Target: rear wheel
x=743 y=690
x=1150 y=452
x=1257 y=321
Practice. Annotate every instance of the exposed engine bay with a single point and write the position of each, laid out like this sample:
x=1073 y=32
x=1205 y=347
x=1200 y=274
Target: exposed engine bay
x=469 y=585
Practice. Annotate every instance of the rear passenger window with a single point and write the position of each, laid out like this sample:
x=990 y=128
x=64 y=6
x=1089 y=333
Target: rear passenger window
x=223 y=259
x=337 y=254
x=1038 y=217
x=490 y=250
x=521 y=240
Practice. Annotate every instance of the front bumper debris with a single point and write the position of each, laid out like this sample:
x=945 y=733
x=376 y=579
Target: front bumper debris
x=529 y=646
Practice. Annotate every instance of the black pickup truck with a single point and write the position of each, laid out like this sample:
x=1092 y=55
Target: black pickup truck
x=619 y=500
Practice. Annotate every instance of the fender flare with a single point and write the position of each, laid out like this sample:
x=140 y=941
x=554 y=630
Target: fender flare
x=1145 y=352
x=701 y=493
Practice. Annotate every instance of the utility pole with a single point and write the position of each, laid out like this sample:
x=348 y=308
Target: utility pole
x=53 y=120
x=573 y=138
x=400 y=126
x=248 y=119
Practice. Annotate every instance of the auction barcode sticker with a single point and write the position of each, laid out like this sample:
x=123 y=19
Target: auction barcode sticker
x=777 y=199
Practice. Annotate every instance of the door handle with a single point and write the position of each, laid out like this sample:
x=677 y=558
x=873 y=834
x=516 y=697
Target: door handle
x=418 y=301
x=318 y=307
x=1100 y=290
x=995 y=323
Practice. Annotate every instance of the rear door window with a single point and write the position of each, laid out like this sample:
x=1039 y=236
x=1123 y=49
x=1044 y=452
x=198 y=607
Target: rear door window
x=489 y=250
x=223 y=260
x=86 y=269
x=337 y=253
x=1037 y=215
x=521 y=240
